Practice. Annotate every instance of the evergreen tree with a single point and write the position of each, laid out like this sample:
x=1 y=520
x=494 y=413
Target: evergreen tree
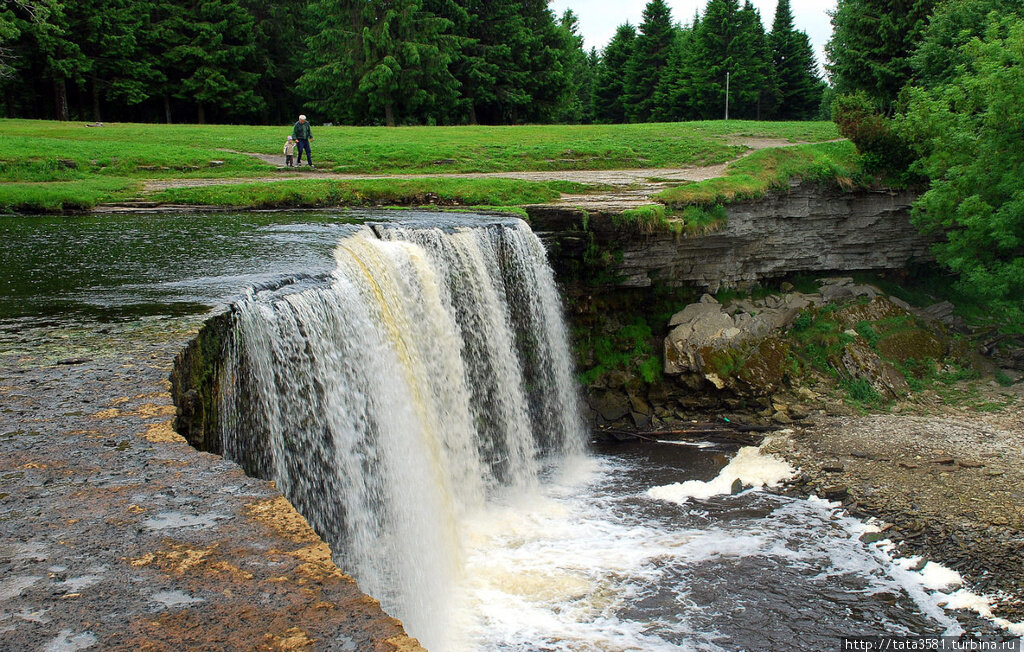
x=609 y=88
x=649 y=60
x=278 y=34
x=871 y=45
x=211 y=61
x=547 y=77
x=49 y=52
x=800 y=87
x=589 y=85
x=675 y=88
x=9 y=33
x=115 y=38
x=376 y=60
x=731 y=40
x=577 y=65
x=464 y=62
x=757 y=90
x=495 y=88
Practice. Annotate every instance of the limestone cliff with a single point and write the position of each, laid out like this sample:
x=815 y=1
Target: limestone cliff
x=808 y=229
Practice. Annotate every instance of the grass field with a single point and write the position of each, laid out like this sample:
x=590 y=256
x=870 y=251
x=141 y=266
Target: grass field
x=770 y=169
x=53 y=165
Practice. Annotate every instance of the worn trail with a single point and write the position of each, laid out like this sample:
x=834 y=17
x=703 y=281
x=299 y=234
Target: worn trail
x=623 y=189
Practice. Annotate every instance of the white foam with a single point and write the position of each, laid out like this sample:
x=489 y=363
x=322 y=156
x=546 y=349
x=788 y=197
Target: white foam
x=750 y=466
x=909 y=563
x=981 y=605
x=939 y=578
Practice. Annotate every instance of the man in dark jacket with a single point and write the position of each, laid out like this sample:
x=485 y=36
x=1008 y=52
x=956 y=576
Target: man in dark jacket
x=302 y=134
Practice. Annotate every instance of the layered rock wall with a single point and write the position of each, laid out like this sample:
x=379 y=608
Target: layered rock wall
x=808 y=229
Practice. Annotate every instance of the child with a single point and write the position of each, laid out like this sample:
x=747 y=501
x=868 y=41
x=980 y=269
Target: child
x=289 y=151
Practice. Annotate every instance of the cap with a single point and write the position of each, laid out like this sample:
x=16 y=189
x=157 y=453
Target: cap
x=302 y=117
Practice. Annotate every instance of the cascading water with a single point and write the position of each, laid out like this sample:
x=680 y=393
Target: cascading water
x=431 y=373
x=418 y=408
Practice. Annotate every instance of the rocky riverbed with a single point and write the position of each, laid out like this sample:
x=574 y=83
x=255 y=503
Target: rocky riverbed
x=947 y=482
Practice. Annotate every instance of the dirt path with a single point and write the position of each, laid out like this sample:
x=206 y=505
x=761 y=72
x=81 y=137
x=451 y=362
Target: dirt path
x=627 y=188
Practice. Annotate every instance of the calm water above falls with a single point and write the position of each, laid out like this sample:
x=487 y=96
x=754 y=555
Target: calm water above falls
x=512 y=539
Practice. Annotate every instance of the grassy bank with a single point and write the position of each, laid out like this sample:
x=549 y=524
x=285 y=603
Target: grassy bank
x=52 y=166
x=404 y=192
x=31 y=150
x=770 y=169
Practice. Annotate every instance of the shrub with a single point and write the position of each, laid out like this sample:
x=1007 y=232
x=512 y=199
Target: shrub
x=858 y=119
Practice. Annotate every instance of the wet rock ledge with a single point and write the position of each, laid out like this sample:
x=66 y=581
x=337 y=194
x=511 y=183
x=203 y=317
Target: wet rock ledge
x=116 y=534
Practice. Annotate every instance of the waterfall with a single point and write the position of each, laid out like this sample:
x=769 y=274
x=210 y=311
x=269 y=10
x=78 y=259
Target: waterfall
x=432 y=373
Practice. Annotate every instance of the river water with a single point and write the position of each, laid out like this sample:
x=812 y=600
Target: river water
x=462 y=495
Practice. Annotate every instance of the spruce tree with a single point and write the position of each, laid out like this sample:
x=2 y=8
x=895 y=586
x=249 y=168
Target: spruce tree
x=211 y=63
x=115 y=37
x=50 y=52
x=376 y=61
x=674 y=91
x=575 y=61
x=495 y=88
x=278 y=34
x=871 y=45
x=755 y=83
x=547 y=78
x=609 y=89
x=713 y=41
x=649 y=60
x=800 y=86
x=464 y=62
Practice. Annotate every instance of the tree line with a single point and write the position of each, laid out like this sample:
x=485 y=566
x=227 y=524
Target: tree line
x=395 y=62
x=932 y=94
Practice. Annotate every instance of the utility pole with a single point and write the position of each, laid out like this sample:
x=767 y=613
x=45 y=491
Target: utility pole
x=727 y=97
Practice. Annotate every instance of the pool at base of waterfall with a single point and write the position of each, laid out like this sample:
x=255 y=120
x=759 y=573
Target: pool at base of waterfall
x=589 y=561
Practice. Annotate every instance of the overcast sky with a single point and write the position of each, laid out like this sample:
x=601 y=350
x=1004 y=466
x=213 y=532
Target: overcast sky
x=600 y=18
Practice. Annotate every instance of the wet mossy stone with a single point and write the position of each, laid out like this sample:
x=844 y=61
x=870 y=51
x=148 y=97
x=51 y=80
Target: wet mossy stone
x=916 y=344
x=764 y=371
x=878 y=309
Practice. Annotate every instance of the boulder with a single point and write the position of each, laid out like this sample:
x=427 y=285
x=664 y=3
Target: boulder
x=639 y=405
x=877 y=309
x=917 y=344
x=861 y=362
x=610 y=405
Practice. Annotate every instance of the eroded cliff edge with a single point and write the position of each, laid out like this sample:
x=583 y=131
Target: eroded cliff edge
x=811 y=228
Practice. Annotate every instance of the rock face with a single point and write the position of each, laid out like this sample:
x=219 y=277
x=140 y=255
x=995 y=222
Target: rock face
x=809 y=229
x=744 y=346
x=734 y=347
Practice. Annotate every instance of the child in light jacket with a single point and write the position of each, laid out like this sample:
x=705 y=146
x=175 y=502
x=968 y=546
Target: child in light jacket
x=289 y=151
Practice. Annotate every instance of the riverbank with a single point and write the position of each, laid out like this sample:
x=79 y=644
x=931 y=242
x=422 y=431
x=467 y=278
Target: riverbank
x=74 y=168
x=945 y=482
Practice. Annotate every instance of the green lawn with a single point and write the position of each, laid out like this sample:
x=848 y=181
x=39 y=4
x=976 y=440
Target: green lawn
x=770 y=169
x=376 y=192
x=100 y=164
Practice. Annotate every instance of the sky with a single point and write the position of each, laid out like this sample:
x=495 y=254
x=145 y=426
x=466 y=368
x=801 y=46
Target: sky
x=600 y=18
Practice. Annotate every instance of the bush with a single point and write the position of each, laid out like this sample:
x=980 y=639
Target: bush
x=858 y=119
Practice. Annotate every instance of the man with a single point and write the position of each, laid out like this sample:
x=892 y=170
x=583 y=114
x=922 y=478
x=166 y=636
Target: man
x=303 y=135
